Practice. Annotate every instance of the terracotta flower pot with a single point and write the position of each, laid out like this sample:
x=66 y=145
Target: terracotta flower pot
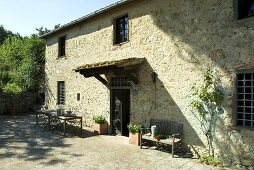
x=101 y=129
x=134 y=138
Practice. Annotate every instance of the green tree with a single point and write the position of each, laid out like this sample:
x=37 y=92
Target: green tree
x=22 y=62
x=57 y=26
x=41 y=31
x=4 y=34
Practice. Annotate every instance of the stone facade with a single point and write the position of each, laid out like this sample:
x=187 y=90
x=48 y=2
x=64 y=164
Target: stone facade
x=180 y=40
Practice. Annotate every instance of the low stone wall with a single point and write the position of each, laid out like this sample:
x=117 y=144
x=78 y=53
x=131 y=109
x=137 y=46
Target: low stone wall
x=18 y=103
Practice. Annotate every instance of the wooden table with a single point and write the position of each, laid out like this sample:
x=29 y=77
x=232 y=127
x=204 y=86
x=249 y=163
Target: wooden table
x=53 y=114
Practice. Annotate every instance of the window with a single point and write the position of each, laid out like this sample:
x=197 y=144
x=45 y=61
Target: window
x=61 y=46
x=78 y=96
x=60 y=92
x=120 y=81
x=245 y=8
x=121 y=29
x=245 y=99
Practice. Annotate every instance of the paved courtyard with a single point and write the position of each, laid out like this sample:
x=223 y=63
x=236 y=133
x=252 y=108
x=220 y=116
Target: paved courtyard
x=24 y=145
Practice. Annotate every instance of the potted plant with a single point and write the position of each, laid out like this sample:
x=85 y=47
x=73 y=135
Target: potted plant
x=100 y=125
x=134 y=134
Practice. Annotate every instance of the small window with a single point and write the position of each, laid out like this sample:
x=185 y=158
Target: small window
x=245 y=8
x=121 y=30
x=61 y=46
x=245 y=100
x=60 y=92
x=78 y=96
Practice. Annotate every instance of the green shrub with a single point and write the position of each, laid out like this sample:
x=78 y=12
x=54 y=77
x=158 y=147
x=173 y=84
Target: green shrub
x=99 y=119
x=12 y=88
x=134 y=128
x=209 y=160
x=22 y=62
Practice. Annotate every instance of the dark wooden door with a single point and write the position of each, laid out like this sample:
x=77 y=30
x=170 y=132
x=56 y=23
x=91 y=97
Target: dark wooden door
x=120 y=103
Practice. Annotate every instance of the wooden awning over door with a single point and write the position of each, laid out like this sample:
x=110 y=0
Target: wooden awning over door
x=125 y=67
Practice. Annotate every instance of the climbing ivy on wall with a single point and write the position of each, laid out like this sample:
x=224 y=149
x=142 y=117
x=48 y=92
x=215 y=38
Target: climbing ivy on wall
x=207 y=105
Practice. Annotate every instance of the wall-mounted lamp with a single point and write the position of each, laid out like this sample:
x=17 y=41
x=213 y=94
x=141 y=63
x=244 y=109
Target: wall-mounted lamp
x=153 y=76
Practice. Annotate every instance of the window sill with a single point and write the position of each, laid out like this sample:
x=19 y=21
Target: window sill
x=122 y=43
x=242 y=128
x=61 y=57
x=245 y=21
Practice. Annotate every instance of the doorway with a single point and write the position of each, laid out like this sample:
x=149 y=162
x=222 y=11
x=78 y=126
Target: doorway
x=120 y=111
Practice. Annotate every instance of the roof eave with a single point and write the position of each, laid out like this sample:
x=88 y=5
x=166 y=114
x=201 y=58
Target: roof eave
x=93 y=14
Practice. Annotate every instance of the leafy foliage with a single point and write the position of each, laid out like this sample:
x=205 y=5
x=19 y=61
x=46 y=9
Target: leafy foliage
x=134 y=128
x=12 y=88
x=21 y=64
x=4 y=34
x=99 y=119
x=41 y=31
x=209 y=160
x=207 y=103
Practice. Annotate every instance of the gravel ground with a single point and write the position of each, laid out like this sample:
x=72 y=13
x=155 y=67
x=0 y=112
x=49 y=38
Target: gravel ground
x=25 y=145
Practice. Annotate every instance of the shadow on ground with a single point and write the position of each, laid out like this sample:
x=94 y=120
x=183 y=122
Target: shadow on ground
x=21 y=138
x=179 y=152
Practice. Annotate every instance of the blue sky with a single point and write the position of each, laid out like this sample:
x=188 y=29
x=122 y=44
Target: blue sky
x=23 y=16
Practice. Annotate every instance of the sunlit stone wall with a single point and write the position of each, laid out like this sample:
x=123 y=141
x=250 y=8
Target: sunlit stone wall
x=180 y=40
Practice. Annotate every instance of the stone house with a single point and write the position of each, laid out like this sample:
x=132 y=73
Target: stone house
x=138 y=59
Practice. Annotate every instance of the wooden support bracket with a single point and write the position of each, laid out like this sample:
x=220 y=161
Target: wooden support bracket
x=102 y=80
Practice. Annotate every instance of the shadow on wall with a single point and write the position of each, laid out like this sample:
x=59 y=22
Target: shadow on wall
x=153 y=100
x=206 y=35
x=201 y=34
x=234 y=144
x=208 y=29
x=48 y=91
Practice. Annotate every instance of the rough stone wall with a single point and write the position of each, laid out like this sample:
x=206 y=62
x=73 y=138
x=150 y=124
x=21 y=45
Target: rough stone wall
x=23 y=103
x=180 y=40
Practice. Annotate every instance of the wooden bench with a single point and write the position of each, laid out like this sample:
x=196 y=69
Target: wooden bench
x=170 y=132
